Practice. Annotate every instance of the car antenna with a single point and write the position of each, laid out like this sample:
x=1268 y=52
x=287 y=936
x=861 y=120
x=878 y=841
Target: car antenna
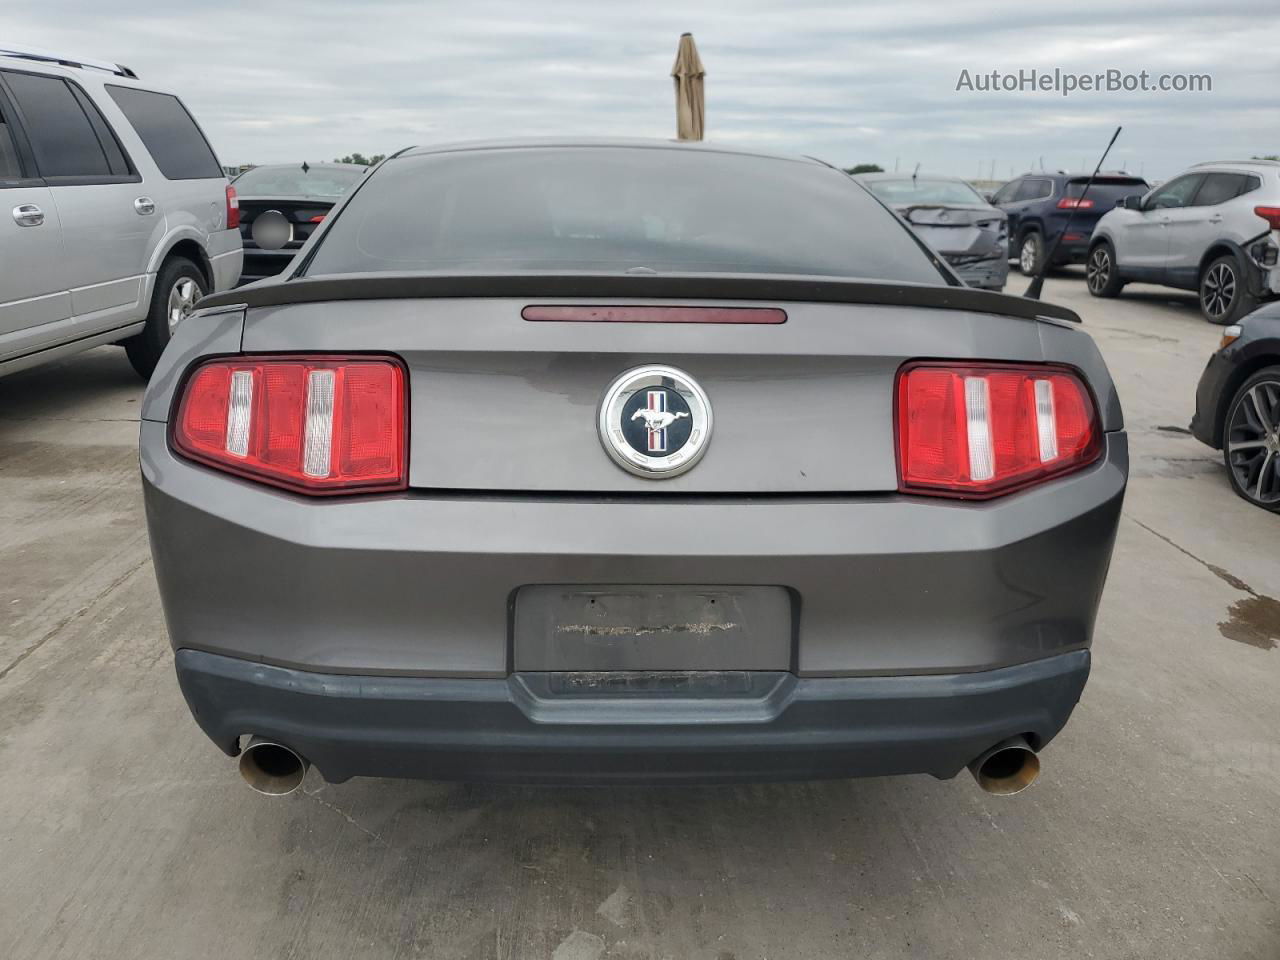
x=305 y=168
x=1037 y=282
x=914 y=172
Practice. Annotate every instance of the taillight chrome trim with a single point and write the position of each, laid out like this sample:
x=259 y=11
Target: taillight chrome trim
x=1094 y=452
x=255 y=476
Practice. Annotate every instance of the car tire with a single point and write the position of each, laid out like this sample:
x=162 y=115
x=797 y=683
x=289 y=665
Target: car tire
x=1251 y=440
x=179 y=285
x=1100 y=273
x=1030 y=255
x=1224 y=294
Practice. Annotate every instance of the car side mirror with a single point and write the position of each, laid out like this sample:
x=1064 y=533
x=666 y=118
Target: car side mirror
x=1132 y=202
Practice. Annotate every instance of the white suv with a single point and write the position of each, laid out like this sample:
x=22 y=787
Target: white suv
x=1213 y=230
x=115 y=215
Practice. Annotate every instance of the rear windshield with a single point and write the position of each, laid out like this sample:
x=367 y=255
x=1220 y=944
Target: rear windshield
x=293 y=181
x=910 y=192
x=1108 y=188
x=615 y=209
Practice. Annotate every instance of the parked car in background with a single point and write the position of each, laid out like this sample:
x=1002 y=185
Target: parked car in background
x=118 y=217
x=954 y=219
x=1039 y=205
x=563 y=503
x=1214 y=229
x=1238 y=405
x=280 y=206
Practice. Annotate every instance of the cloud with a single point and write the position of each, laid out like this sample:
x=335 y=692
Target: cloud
x=848 y=82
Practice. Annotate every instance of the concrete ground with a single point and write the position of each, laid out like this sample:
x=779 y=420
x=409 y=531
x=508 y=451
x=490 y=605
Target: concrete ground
x=1154 y=832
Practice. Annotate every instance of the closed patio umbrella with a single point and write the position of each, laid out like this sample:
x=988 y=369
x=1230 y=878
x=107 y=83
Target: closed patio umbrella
x=691 y=108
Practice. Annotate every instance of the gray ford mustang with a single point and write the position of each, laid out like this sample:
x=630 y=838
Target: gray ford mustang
x=628 y=461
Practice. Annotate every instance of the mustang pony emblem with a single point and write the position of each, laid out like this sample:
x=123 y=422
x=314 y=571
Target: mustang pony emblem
x=657 y=418
x=657 y=421
x=654 y=421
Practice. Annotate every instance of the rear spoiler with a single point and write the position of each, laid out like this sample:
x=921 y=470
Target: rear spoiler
x=367 y=286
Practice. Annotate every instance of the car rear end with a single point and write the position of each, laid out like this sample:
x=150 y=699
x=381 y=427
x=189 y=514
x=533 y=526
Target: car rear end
x=187 y=186
x=970 y=234
x=1077 y=211
x=973 y=240
x=422 y=551
x=1264 y=246
x=273 y=230
x=281 y=206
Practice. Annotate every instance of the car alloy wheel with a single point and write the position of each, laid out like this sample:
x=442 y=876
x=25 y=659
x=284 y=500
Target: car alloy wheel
x=1029 y=255
x=1098 y=270
x=1218 y=291
x=1253 y=443
x=182 y=300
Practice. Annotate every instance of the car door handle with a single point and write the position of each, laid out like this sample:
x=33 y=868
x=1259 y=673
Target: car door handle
x=1216 y=218
x=144 y=206
x=28 y=215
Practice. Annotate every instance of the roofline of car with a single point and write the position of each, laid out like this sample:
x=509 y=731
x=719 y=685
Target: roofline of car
x=667 y=287
x=633 y=143
x=10 y=52
x=1255 y=162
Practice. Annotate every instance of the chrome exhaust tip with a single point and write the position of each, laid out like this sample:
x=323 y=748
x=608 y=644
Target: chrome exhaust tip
x=1007 y=768
x=272 y=768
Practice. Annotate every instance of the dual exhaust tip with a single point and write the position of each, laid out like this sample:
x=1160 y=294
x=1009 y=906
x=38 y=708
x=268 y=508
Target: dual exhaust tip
x=272 y=768
x=1007 y=768
x=277 y=771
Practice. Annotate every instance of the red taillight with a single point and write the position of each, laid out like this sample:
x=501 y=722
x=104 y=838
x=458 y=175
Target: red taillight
x=1074 y=203
x=233 y=208
x=319 y=218
x=1269 y=214
x=982 y=430
x=318 y=425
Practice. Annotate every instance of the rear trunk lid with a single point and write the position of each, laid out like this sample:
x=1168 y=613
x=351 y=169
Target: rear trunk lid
x=957 y=231
x=503 y=404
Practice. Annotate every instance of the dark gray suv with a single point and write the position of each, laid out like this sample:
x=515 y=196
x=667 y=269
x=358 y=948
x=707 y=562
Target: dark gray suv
x=628 y=461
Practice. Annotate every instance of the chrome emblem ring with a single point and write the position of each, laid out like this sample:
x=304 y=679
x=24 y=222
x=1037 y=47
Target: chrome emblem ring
x=655 y=421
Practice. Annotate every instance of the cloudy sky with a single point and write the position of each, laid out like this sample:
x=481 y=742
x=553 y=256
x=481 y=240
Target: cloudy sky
x=849 y=82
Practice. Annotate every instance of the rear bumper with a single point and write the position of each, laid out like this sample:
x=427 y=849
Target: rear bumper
x=260 y=264
x=424 y=583
x=1071 y=252
x=515 y=730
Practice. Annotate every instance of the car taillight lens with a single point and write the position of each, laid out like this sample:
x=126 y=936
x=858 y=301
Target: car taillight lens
x=317 y=425
x=979 y=431
x=1074 y=203
x=233 y=208
x=1269 y=214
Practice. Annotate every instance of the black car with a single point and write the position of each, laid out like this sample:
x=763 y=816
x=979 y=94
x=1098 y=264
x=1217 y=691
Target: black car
x=280 y=206
x=1238 y=406
x=1038 y=205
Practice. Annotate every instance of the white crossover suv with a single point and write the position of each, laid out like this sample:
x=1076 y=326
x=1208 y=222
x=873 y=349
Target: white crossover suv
x=115 y=215
x=1215 y=229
